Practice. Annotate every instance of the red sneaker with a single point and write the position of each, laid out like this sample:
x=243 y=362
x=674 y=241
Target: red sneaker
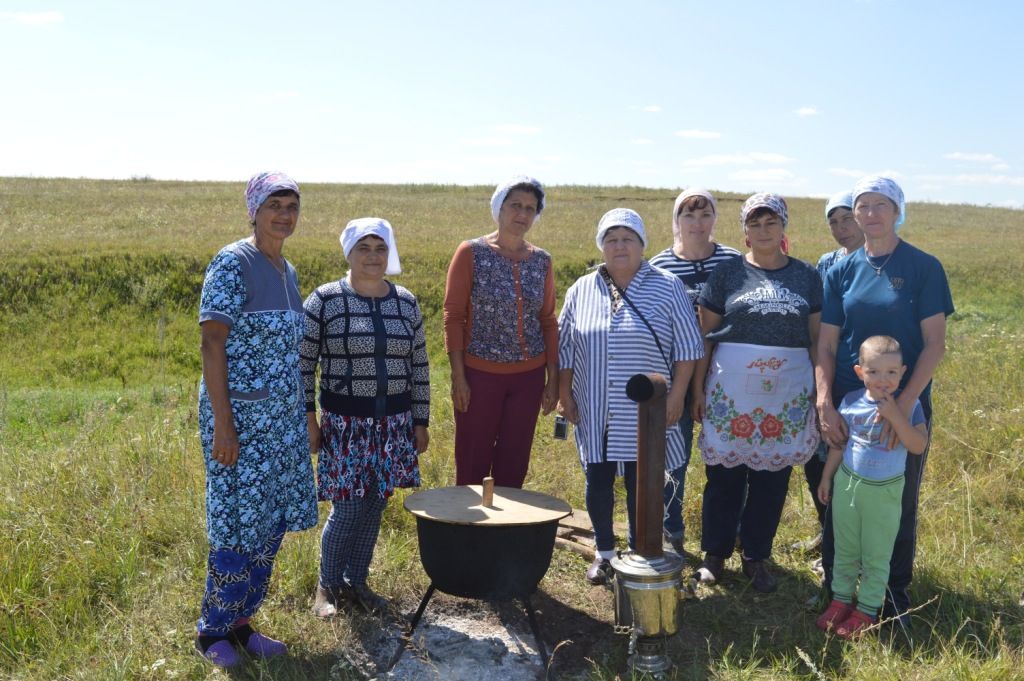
x=854 y=625
x=836 y=612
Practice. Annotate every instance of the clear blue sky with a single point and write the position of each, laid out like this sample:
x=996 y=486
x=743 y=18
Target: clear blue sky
x=798 y=97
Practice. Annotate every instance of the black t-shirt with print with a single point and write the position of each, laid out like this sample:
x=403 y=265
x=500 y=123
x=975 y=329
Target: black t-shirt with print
x=763 y=307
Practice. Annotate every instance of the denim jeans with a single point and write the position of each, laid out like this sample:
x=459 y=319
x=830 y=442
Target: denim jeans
x=675 y=528
x=600 y=498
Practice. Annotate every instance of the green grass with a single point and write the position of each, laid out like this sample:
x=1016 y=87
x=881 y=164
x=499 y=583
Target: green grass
x=101 y=482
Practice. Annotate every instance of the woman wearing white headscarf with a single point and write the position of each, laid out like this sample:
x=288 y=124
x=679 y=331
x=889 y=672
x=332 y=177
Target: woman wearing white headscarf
x=501 y=336
x=366 y=334
x=759 y=314
x=692 y=257
x=623 y=319
x=888 y=288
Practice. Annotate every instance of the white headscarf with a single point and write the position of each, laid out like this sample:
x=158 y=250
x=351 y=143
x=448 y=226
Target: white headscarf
x=677 y=232
x=378 y=227
x=620 y=217
x=502 y=190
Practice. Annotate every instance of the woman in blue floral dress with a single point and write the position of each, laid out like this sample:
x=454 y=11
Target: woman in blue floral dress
x=252 y=421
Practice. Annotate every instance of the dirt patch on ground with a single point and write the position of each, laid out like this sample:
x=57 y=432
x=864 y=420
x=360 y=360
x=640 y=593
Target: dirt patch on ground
x=467 y=639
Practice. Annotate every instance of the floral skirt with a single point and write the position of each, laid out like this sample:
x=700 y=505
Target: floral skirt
x=759 y=408
x=364 y=455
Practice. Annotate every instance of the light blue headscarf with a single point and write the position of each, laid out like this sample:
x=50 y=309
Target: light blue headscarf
x=621 y=217
x=886 y=187
x=840 y=200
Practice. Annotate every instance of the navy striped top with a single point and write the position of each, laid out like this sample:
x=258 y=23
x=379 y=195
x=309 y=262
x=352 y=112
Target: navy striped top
x=694 y=273
x=368 y=350
x=605 y=349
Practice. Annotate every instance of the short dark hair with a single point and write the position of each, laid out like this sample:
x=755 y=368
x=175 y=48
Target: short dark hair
x=879 y=345
x=760 y=212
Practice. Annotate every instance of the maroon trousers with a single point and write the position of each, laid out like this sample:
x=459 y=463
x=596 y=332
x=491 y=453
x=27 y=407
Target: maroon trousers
x=494 y=436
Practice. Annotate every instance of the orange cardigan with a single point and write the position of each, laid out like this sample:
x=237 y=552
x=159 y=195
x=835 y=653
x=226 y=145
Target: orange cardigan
x=458 y=317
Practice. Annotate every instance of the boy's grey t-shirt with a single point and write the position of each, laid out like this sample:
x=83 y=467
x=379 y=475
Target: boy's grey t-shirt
x=763 y=307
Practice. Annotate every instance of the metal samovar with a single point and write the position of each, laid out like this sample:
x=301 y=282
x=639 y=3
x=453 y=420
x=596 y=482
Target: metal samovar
x=648 y=584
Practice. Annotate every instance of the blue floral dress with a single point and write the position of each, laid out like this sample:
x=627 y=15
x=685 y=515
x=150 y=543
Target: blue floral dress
x=272 y=482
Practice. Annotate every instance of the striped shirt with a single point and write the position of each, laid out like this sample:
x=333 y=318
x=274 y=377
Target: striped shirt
x=371 y=351
x=693 y=273
x=605 y=349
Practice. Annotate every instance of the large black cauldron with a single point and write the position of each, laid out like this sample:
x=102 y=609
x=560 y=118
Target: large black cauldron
x=495 y=550
x=485 y=542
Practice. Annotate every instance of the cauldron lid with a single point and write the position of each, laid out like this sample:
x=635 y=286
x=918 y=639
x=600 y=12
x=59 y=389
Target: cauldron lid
x=462 y=506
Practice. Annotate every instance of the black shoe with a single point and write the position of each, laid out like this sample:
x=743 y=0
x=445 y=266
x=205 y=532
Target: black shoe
x=761 y=579
x=710 y=570
x=599 y=572
x=364 y=597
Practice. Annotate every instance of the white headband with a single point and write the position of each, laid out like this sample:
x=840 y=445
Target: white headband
x=363 y=227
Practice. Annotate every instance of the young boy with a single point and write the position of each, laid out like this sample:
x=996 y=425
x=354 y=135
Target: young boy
x=868 y=486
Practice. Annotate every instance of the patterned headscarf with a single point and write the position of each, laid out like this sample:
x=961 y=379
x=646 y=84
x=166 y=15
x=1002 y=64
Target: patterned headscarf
x=363 y=227
x=502 y=190
x=886 y=187
x=677 y=233
x=772 y=202
x=262 y=185
x=620 y=217
x=840 y=200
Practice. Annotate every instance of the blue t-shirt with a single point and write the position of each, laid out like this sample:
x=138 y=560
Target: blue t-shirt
x=865 y=454
x=911 y=287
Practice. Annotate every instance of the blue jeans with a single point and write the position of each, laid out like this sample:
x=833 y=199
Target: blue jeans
x=600 y=498
x=675 y=528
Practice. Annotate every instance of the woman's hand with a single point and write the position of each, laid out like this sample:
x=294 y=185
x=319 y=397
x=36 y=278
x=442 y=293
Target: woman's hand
x=460 y=393
x=225 y=442
x=567 y=408
x=674 y=407
x=422 y=437
x=697 y=408
x=832 y=425
x=549 y=398
x=313 y=428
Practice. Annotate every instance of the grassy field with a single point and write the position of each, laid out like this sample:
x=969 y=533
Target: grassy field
x=101 y=483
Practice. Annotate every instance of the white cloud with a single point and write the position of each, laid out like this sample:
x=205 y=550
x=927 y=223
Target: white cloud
x=486 y=142
x=652 y=108
x=857 y=174
x=1000 y=167
x=551 y=159
x=698 y=134
x=286 y=94
x=1010 y=203
x=968 y=156
x=516 y=129
x=737 y=159
x=805 y=111
x=847 y=172
x=976 y=179
x=763 y=175
x=641 y=140
x=32 y=18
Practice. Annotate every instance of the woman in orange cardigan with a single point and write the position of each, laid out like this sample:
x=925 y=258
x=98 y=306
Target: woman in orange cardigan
x=501 y=335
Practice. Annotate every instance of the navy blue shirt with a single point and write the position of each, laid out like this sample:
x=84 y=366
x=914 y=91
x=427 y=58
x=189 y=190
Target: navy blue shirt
x=911 y=287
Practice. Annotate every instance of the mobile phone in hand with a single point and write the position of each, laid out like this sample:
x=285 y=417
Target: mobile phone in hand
x=561 y=428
